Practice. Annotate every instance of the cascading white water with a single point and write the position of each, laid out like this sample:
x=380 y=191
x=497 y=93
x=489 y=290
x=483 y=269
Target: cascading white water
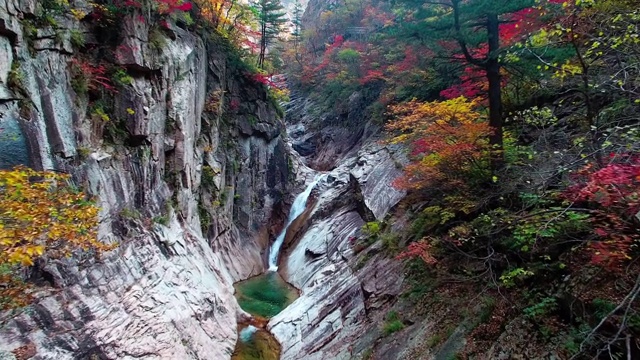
x=299 y=204
x=247 y=333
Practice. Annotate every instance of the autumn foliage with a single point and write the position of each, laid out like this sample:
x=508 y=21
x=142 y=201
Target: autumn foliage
x=613 y=191
x=41 y=215
x=448 y=139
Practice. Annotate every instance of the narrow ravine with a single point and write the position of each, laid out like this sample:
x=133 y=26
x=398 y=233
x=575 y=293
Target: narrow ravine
x=266 y=295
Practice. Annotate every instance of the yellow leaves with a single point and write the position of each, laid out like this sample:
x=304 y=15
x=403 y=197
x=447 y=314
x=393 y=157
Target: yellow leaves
x=413 y=116
x=41 y=214
x=447 y=139
x=78 y=14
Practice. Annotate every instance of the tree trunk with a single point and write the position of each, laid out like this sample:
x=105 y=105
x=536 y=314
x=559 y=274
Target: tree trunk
x=495 y=91
x=263 y=44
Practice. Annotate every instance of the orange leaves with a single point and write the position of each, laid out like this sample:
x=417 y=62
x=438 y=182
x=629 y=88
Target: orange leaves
x=447 y=140
x=42 y=214
x=418 y=118
x=422 y=249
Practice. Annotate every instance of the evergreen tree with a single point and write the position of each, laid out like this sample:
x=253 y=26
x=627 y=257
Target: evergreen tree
x=271 y=18
x=473 y=27
x=296 y=34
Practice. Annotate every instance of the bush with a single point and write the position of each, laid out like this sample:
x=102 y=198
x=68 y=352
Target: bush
x=371 y=229
x=392 y=327
x=77 y=38
x=393 y=323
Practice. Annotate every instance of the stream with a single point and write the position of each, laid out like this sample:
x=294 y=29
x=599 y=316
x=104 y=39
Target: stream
x=265 y=296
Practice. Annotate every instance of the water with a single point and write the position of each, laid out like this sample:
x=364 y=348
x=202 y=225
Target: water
x=246 y=334
x=299 y=204
x=258 y=345
x=265 y=295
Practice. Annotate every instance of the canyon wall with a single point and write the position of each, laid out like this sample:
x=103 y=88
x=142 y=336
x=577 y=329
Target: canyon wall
x=186 y=184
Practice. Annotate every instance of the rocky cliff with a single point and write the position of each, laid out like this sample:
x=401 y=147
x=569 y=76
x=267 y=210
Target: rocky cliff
x=187 y=166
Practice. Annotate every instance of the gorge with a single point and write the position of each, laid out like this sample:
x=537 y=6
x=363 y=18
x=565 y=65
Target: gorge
x=391 y=180
x=187 y=192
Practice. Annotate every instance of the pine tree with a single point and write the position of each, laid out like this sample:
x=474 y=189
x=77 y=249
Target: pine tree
x=296 y=34
x=271 y=18
x=473 y=27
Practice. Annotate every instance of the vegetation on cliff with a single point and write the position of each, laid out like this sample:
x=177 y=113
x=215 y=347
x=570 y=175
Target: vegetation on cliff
x=520 y=121
x=41 y=215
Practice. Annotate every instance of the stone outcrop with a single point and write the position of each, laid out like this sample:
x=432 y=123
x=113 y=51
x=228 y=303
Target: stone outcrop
x=332 y=313
x=172 y=160
x=326 y=140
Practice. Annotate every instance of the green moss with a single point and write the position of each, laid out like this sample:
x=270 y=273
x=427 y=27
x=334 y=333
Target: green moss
x=367 y=354
x=15 y=79
x=162 y=220
x=157 y=39
x=83 y=152
x=205 y=219
x=208 y=177
x=129 y=213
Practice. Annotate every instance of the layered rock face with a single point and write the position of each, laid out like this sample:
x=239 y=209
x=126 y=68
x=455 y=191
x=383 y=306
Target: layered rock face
x=171 y=161
x=339 y=298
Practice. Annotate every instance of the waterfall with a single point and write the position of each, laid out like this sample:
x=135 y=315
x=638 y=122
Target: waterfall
x=299 y=204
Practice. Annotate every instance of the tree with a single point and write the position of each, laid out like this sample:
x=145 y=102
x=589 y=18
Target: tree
x=448 y=142
x=41 y=215
x=271 y=19
x=603 y=62
x=470 y=31
x=296 y=34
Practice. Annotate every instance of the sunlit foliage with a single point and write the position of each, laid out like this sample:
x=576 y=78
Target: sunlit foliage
x=41 y=215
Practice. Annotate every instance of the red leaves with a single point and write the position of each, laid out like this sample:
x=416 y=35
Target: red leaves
x=168 y=7
x=615 y=186
x=234 y=104
x=93 y=76
x=473 y=84
x=420 y=249
x=132 y=3
x=264 y=79
x=372 y=75
x=613 y=191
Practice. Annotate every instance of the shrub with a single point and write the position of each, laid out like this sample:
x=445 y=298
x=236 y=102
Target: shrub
x=87 y=77
x=41 y=214
x=161 y=219
x=371 y=229
x=121 y=77
x=77 y=38
x=541 y=309
x=393 y=323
